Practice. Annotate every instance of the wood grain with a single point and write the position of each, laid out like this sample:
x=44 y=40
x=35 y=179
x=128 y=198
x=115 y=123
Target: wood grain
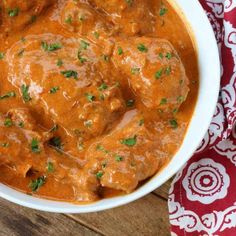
x=20 y=221
x=147 y=216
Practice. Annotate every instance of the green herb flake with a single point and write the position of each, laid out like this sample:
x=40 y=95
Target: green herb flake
x=90 y=97
x=129 y=2
x=163 y=101
x=142 y=48
x=59 y=62
x=180 y=99
x=169 y=55
x=119 y=51
x=68 y=19
x=81 y=59
x=54 y=128
x=37 y=183
x=4 y=145
x=141 y=122
x=21 y=124
x=101 y=148
x=50 y=167
x=102 y=87
x=135 y=70
x=8 y=122
x=84 y=45
x=130 y=103
x=96 y=35
x=129 y=141
x=56 y=143
x=173 y=124
x=50 y=47
x=2 y=54
x=25 y=93
x=99 y=174
x=158 y=74
x=163 y=11
x=54 y=90
x=13 y=12
x=168 y=70
x=8 y=95
x=35 y=145
x=118 y=158
x=161 y=55
x=70 y=73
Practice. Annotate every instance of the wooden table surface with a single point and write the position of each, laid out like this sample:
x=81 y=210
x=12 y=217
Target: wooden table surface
x=145 y=217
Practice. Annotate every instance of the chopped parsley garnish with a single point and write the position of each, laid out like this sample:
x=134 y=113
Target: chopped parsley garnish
x=142 y=48
x=21 y=124
x=25 y=93
x=168 y=70
x=163 y=101
x=101 y=148
x=81 y=59
x=2 y=55
x=70 y=73
x=130 y=103
x=175 y=111
x=54 y=128
x=8 y=122
x=54 y=89
x=163 y=11
x=5 y=145
x=120 y=51
x=21 y=52
x=129 y=2
x=161 y=55
x=50 y=167
x=158 y=74
x=68 y=20
x=129 y=141
x=13 y=12
x=88 y=123
x=84 y=45
x=99 y=174
x=90 y=97
x=8 y=95
x=180 y=99
x=96 y=35
x=169 y=55
x=51 y=47
x=35 y=145
x=105 y=57
x=102 y=87
x=37 y=183
x=119 y=158
x=135 y=70
x=59 y=62
x=173 y=124
x=141 y=122
x=56 y=143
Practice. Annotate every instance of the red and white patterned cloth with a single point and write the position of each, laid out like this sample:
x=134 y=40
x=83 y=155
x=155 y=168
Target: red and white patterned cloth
x=202 y=199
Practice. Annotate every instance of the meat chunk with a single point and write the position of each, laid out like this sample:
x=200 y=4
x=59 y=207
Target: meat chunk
x=132 y=17
x=17 y=14
x=88 y=99
x=81 y=18
x=20 y=137
x=155 y=71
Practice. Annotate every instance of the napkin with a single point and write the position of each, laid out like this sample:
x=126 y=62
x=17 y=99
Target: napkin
x=202 y=198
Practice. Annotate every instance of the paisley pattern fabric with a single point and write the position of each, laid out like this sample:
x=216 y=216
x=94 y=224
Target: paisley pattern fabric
x=202 y=198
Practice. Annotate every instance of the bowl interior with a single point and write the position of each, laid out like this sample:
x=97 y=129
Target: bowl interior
x=208 y=93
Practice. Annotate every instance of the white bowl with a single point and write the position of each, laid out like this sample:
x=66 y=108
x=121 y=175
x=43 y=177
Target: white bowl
x=208 y=59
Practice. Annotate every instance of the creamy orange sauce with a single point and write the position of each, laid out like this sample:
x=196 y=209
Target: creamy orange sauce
x=95 y=96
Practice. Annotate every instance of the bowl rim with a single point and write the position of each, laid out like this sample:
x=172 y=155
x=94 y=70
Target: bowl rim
x=209 y=78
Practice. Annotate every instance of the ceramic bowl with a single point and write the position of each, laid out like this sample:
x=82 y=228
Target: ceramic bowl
x=209 y=67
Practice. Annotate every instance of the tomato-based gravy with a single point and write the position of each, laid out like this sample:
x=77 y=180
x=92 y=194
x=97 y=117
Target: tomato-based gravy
x=95 y=95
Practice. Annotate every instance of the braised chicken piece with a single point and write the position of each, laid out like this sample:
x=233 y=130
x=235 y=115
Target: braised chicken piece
x=83 y=19
x=129 y=16
x=17 y=14
x=155 y=71
x=89 y=102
